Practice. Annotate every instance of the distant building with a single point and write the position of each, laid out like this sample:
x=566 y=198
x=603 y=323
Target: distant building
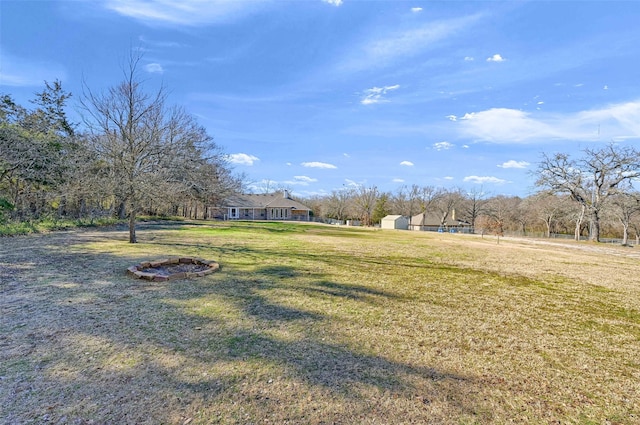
x=433 y=222
x=270 y=206
x=395 y=222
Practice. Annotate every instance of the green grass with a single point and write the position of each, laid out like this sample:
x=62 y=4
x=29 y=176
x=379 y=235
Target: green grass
x=16 y=228
x=316 y=324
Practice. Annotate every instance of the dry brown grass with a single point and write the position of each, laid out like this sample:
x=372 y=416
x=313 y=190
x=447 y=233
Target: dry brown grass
x=314 y=324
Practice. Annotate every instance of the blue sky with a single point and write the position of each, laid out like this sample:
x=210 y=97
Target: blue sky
x=318 y=95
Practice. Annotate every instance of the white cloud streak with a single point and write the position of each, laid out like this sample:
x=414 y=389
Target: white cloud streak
x=407 y=163
x=154 y=68
x=315 y=164
x=385 y=49
x=483 y=180
x=375 y=94
x=305 y=179
x=300 y=181
x=183 y=12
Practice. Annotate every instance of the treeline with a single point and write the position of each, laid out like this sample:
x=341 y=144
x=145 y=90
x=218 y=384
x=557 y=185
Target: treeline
x=588 y=197
x=131 y=154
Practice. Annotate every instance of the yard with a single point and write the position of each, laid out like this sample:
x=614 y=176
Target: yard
x=311 y=324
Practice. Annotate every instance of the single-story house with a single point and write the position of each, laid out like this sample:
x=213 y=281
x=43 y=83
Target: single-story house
x=270 y=206
x=394 y=222
x=431 y=221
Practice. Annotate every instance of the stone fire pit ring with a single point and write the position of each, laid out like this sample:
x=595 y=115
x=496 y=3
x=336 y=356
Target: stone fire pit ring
x=173 y=268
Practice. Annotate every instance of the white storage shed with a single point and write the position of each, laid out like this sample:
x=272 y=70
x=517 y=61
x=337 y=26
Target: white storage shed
x=395 y=222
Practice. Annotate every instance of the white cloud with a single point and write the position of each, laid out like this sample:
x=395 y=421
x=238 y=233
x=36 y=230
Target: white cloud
x=496 y=58
x=469 y=59
x=448 y=178
x=375 y=94
x=442 y=146
x=485 y=179
x=315 y=164
x=333 y=2
x=501 y=125
x=398 y=180
x=407 y=163
x=452 y=118
x=605 y=87
x=242 y=159
x=514 y=164
x=388 y=48
x=305 y=179
x=154 y=68
x=300 y=181
x=416 y=9
x=183 y=12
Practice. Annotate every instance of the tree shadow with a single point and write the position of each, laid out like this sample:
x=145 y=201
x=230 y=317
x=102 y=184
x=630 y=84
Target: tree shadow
x=73 y=322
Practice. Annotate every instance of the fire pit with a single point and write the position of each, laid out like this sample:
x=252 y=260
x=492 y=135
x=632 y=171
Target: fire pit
x=173 y=268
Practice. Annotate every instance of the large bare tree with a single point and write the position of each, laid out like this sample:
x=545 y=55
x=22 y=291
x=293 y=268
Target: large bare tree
x=150 y=149
x=592 y=179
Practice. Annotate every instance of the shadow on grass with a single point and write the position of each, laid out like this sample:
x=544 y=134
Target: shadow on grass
x=81 y=342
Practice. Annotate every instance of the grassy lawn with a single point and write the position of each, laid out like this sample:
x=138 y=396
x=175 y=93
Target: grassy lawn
x=310 y=324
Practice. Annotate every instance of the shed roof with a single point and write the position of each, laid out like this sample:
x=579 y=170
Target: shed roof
x=393 y=217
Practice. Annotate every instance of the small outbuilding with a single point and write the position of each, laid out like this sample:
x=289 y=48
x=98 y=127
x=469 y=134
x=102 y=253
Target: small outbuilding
x=395 y=222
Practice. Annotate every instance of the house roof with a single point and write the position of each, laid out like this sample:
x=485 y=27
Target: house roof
x=268 y=200
x=433 y=219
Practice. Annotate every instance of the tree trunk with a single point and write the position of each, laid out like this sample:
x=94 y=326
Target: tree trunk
x=579 y=224
x=625 y=235
x=594 y=229
x=548 y=223
x=132 y=223
x=121 y=210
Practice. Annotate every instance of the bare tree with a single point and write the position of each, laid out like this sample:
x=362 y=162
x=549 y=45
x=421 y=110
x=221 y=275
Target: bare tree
x=446 y=203
x=548 y=208
x=149 y=148
x=428 y=196
x=592 y=179
x=625 y=206
x=364 y=202
x=407 y=201
x=500 y=213
x=474 y=205
x=337 y=205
